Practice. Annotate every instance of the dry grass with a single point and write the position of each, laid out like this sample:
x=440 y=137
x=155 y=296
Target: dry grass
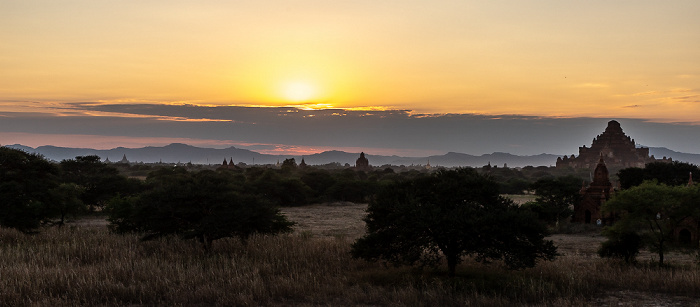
x=521 y=198
x=339 y=219
x=86 y=265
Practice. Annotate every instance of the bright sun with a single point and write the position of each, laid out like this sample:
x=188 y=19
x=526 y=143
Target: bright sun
x=299 y=91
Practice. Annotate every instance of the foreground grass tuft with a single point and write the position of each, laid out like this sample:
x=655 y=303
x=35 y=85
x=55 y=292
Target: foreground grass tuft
x=89 y=266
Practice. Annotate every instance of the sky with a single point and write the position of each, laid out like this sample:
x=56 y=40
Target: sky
x=397 y=77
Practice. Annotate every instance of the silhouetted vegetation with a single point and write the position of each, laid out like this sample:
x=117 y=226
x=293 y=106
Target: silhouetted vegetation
x=416 y=216
x=98 y=182
x=28 y=185
x=83 y=185
x=676 y=173
x=451 y=214
x=555 y=198
x=621 y=245
x=653 y=211
x=205 y=205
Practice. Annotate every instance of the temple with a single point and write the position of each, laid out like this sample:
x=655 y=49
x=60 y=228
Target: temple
x=362 y=163
x=594 y=196
x=618 y=149
x=228 y=165
x=123 y=160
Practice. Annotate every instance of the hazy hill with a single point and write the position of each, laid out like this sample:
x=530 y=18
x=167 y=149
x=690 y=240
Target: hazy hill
x=186 y=153
x=660 y=152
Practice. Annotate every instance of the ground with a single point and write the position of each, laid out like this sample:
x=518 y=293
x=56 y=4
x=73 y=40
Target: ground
x=312 y=265
x=345 y=220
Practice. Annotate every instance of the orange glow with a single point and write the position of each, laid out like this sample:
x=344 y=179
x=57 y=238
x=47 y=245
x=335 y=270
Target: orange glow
x=299 y=91
x=485 y=57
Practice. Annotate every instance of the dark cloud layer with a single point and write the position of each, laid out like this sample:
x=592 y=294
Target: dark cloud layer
x=465 y=133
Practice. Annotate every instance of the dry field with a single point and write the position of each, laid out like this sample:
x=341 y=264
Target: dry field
x=83 y=264
x=345 y=220
x=338 y=220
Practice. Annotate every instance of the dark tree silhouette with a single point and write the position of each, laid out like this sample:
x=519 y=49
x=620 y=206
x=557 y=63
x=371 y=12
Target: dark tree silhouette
x=555 y=197
x=676 y=173
x=98 y=181
x=26 y=185
x=207 y=206
x=450 y=214
x=653 y=211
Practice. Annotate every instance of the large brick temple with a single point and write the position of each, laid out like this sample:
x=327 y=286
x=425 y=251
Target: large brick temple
x=618 y=150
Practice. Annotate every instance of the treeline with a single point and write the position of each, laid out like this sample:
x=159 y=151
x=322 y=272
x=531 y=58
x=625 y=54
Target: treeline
x=37 y=192
x=410 y=212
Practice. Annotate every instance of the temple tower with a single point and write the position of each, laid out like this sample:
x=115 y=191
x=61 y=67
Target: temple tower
x=362 y=163
x=588 y=210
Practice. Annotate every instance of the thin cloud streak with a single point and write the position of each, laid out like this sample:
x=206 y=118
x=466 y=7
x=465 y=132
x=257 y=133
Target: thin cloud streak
x=296 y=131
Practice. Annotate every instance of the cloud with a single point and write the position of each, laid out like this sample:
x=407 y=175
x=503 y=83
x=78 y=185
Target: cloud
x=647 y=93
x=285 y=129
x=685 y=97
x=592 y=85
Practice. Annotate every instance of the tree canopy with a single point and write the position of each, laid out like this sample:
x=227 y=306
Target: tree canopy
x=206 y=205
x=653 y=211
x=451 y=214
x=555 y=197
x=676 y=173
x=27 y=182
x=98 y=181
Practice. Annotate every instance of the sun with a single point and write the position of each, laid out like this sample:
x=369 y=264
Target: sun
x=299 y=91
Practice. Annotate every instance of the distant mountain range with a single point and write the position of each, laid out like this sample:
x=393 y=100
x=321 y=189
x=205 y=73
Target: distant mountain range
x=183 y=153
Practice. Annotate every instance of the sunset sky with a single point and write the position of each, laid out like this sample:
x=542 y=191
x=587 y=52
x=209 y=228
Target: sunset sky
x=74 y=73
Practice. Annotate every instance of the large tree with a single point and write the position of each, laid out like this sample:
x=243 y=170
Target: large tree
x=207 y=205
x=653 y=211
x=98 y=181
x=451 y=214
x=65 y=202
x=555 y=198
x=27 y=182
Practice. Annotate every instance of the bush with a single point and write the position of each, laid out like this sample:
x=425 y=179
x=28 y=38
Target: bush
x=623 y=246
x=27 y=185
x=206 y=206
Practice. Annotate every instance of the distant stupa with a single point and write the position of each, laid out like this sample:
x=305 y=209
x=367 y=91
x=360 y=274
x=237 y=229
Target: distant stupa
x=124 y=160
x=362 y=163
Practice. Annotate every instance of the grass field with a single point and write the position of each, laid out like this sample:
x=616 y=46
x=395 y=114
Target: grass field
x=84 y=264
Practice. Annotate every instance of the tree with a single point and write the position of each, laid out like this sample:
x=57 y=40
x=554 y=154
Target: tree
x=318 y=181
x=631 y=176
x=207 y=206
x=653 y=211
x=280 y=190
x=289 y=165
x=676 y=173
x=65 y=202
x=514 y=186
x=451 y=214
x=555 y=197
x=623 y=245
x=99 y=181
x=26 y=182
